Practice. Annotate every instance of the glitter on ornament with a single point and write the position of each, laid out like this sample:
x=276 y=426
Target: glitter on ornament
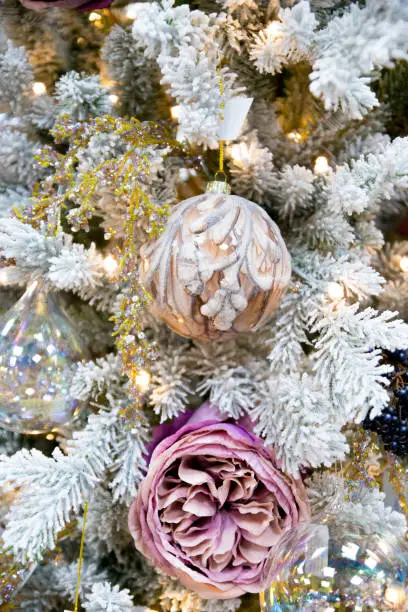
x=219 y=268
x=38 y=347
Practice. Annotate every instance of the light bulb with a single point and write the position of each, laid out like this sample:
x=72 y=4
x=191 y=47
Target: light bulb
x=274 y=30
x=39 y=88
x=142 y=380
x=110 y=265
x=238 y=151
x=404 y=263
x=94 y=16
x=321 y=165
x=335 y=291
x=113 y=98
x=175 y=112
x=132 y=10
x=396 y=596
x=295 y=136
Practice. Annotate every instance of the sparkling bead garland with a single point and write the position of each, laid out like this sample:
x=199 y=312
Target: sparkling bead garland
x=124 y=175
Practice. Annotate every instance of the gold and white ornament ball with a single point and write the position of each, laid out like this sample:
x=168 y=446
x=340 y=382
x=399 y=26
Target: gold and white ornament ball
x=219 y=268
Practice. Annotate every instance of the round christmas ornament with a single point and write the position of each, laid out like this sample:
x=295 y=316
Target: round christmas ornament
x=328 y=567
x=220 y=267
x=38 y=347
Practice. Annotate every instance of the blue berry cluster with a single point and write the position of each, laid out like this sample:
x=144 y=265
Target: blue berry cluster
x=392 y=424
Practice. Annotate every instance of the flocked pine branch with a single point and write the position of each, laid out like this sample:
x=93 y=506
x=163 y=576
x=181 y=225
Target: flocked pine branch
x=104 y=597
x=170 y=388
x=348 y=357
x=363 y=507
x=185 y=45
x=66 y=265
x=54 y=488
x=371 y=179
x=91 y=379
x=82 y=96
x=295 y=417
x=345 y=54
x=16 y=79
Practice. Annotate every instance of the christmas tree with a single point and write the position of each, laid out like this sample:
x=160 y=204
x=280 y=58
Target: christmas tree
x=191 y=377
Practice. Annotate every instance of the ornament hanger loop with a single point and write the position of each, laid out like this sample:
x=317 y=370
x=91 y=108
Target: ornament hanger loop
x=220 y=176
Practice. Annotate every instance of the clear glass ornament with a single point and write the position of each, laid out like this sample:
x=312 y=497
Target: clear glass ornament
x=38 y=347
x=332 y=567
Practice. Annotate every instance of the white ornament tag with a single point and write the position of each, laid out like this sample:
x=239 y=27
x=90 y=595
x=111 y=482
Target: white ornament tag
x=235 y=112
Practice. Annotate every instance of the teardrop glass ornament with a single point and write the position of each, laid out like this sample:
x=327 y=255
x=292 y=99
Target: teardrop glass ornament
x=38 y=347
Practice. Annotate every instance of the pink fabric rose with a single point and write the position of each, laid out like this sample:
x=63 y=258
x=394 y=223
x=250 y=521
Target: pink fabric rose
x=213 y=505
x=80 y=5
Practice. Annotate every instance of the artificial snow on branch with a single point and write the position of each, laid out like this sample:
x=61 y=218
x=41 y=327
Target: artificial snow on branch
x=81 y=96
x=16 y=79
x=348 y=357
x=185 y=45
x=91 y=379
x=66 y=265
x=287 y=40
x=363 y=506
x=295 y=418
x=171 y=385
x=103 y=597
x=54 y=487
x=345 y=54
x=371 y=179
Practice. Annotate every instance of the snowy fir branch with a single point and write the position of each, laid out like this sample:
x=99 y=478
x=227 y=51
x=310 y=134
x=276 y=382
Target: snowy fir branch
x=66 y=265
x=54 y=488
x=112 y=599
x=108 y=120
x=344 y=54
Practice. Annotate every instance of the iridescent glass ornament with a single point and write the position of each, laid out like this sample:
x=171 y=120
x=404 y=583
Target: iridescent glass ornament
x=38 y=347
x=331 y=567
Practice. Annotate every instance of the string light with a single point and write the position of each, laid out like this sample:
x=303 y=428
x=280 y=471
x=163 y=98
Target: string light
x=395 y=596
x=404 y=263
x=335 y=291
x=94 y=16
x=39 y=88
x=321 y=165
x=175 y=112
x=113 y=98
x=274 y=30
x=110 y=265
x=295 y=136
x=132 y=11
x=142 y=380
x=238 y=152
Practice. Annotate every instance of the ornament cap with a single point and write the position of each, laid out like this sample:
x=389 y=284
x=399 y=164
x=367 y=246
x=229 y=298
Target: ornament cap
x=218 y=186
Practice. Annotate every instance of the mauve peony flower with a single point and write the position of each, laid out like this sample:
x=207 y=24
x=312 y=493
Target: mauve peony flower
x=80 y=5
x=213 y=505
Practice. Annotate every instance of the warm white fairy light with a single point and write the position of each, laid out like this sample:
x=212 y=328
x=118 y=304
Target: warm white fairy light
x=396 y=596
x=132 y=10
x=94 y=16
x=238 y=152
x=142 y=380
x=175 y=112
x=113 y=98
x=404 y=263
x=321 y=165
x=110 y=265
x=335 y=291
x=295 y=136
x=274 y=30
x=39 y=88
